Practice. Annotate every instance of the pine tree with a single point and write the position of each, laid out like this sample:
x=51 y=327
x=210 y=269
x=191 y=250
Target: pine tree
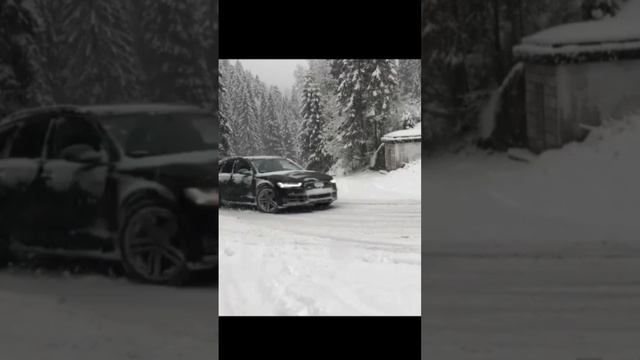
x=20 y=60
x=54 y=49
x=272 y=129
x=313 y=151
x=225 y=129
x=409 y=78
x=103 y=66
x=381 y=90
x=174 y=58
x=353 y=76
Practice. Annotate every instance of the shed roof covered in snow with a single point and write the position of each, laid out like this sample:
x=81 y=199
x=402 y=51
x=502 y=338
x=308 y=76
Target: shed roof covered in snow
x=407 y=135
x=596 y=40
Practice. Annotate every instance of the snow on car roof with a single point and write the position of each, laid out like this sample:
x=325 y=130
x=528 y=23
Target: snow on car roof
x=116 y=109
x=414 y=133
x=619 y=33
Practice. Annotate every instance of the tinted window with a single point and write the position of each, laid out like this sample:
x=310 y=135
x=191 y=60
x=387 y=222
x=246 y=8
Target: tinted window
x=227 y=167
x=242 y=164
x=30 y=139
x=5 y=138
x=275 y=164
x=155 y=134
x=73 y=131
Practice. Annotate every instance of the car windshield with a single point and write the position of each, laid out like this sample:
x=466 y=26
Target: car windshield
x=156 y=134
x=274 y=164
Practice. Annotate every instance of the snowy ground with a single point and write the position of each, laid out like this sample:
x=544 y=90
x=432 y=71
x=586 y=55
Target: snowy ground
x=53 y=315
x=536 y=260
x=359 y=257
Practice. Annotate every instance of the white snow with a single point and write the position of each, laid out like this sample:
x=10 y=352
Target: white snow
x=359 y=257
x=581 y=198
x=400 y=184
x=618 y=33
x=538 y=259
x=92 y=317
x=415 y=133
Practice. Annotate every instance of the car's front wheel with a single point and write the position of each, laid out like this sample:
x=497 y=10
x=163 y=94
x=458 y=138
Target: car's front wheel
x=152 y=244
x=266 y=200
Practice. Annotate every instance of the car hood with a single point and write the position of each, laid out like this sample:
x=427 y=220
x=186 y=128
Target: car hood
x=188 y=169
x=295 y=175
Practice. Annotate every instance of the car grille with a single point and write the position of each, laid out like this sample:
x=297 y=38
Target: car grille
x=308 y=185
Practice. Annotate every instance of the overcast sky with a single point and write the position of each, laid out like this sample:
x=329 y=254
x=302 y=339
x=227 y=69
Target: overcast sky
x=274 y=72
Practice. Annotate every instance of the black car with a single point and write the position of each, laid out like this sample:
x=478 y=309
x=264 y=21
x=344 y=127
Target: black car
x=134 y=182
x=272 y=183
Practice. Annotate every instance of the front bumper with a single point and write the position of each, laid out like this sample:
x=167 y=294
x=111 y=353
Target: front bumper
x=302 y=197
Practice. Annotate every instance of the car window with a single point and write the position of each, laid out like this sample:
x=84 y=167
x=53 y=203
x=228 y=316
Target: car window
x=227 y=167
x=5 y=138
x=30 y=139
x=241 y=164
x=73 y=131
x=275 y=164
x=143 y=135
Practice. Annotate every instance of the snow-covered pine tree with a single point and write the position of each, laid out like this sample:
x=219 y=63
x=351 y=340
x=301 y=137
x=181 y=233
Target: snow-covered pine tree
x=381 y=92
x=353 y=76
x=20 y=60
x=409 y=78
x=173 y=56
x=102 y=64
x=272 y=136
x=54 y=49
x=223 y=108
x=313 y=151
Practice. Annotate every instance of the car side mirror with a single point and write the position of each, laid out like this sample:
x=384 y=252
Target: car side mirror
x=82 y=153
x=245 y=172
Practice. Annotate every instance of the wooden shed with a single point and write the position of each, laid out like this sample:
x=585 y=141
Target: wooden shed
x=402 y=146
x=578 y=75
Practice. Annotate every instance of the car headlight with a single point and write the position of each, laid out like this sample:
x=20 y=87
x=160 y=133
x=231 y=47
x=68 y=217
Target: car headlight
x=333 y=181
x=202 y=196
x=289 y=185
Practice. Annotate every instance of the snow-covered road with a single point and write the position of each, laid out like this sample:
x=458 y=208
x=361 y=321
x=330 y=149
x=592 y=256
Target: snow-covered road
x=536 y=260
x=359 y=257
x=504 y=308
x=53 y=316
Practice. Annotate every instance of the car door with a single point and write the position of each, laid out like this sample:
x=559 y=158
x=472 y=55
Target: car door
x=19 y=170
x=6 y=185
x=224 y=177
x=73 y=187
x=241 y=183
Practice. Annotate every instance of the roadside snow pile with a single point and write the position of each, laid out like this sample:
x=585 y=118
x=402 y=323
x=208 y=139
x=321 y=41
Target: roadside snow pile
x=403 y=183
x=582 y=198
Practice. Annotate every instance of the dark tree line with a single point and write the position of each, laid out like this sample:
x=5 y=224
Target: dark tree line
x=90 y=52
x=467 y=52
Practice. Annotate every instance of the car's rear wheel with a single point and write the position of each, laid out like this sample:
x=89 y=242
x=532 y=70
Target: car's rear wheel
x=152 y=244
x=266 y=200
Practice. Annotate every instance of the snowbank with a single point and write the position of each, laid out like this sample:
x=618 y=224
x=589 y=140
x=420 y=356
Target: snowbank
x=580 y=199
x=403 y=183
